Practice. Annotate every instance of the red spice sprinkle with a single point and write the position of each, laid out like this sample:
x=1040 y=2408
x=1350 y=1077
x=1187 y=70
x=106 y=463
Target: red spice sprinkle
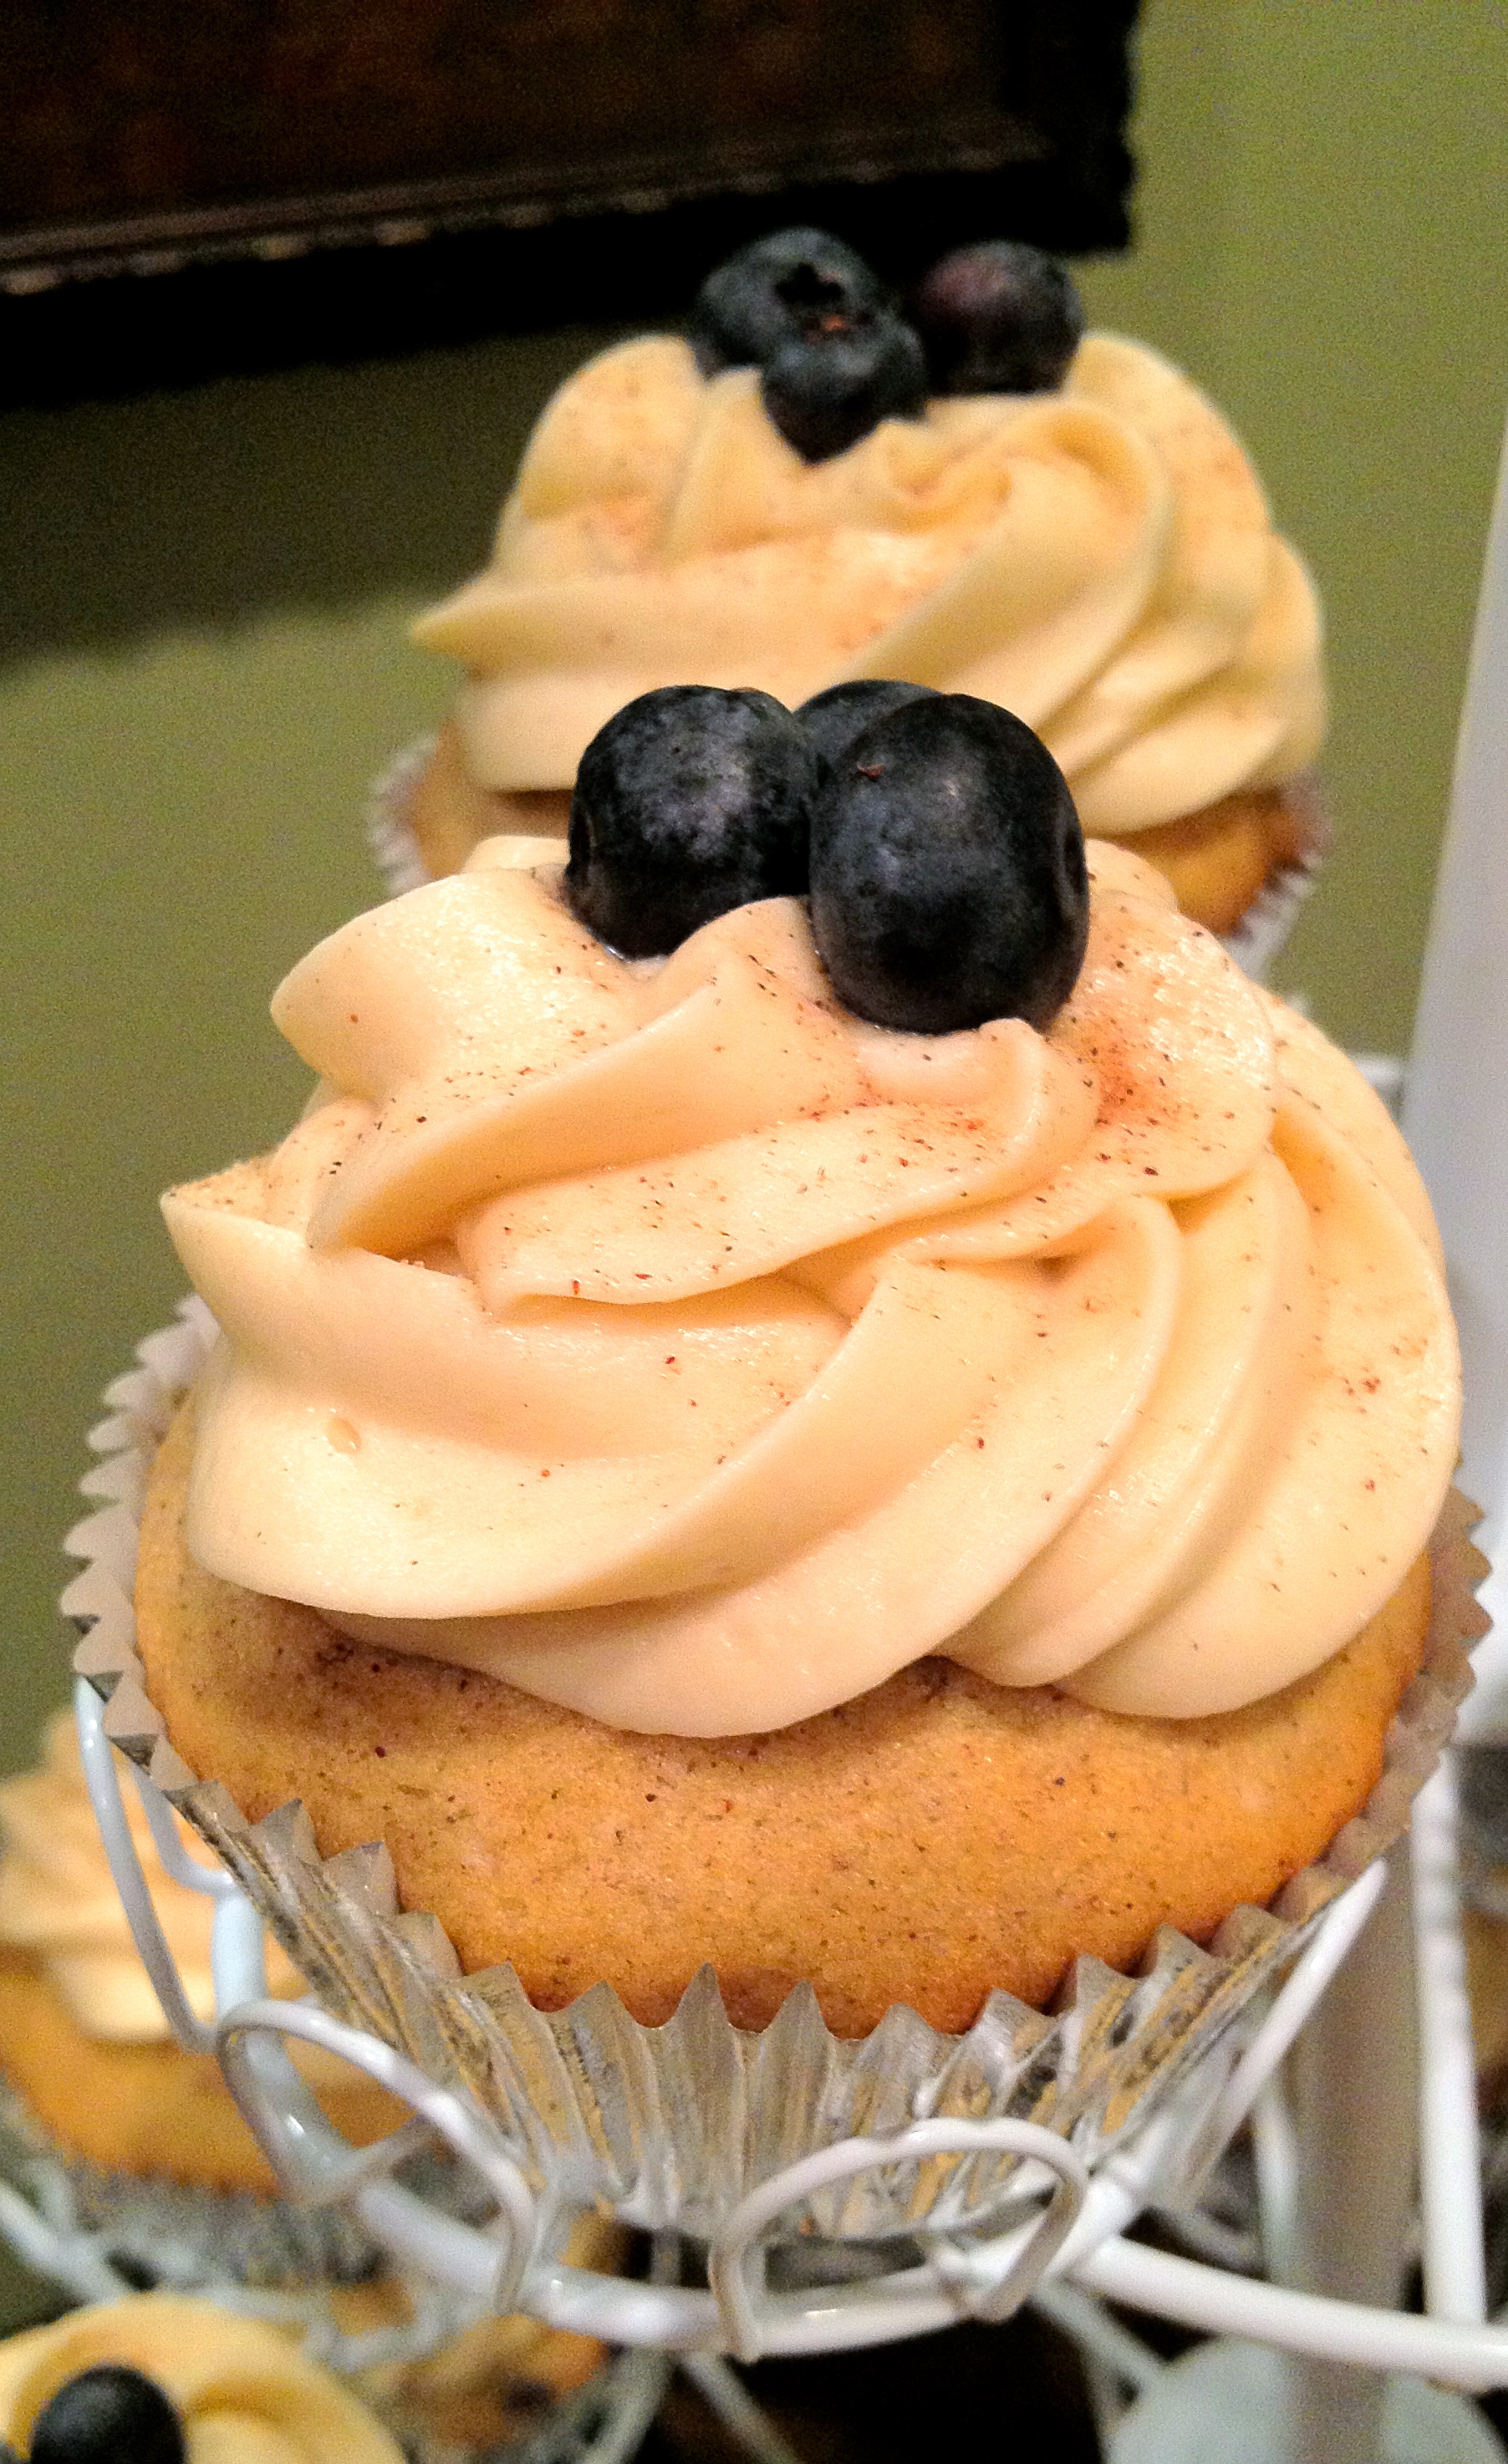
x=380 y=1751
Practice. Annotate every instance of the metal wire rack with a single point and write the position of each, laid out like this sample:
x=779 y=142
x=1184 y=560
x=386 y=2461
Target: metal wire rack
x=1071 y=2254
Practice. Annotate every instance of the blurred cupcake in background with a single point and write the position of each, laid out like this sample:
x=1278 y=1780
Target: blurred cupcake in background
x=138 y=2167
x=141 y=2140
x=159 y=2380
x=976 y=495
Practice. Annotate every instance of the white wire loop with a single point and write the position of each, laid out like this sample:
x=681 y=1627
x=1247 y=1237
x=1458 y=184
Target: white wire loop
x=989 y=2279
x=315 y=2165
x=103 y=1782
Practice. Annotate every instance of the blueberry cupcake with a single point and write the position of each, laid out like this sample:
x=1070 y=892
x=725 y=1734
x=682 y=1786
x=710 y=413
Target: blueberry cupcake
x=159 y=2380
x=813 y=488
x=829 y=1410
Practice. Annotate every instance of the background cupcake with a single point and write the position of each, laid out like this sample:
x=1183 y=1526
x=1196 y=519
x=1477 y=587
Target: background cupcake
x=84 y=2045
x=813 y=488
x=141 y=2166
x=183 y=2383
x=104 y=2111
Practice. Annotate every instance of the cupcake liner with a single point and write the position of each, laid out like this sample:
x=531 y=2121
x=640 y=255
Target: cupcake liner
x=387 y=827
x=1265 y=927
x=1254 y=944
x=674 y=2125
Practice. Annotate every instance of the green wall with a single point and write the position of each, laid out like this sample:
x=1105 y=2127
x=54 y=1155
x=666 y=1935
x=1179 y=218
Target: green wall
x=204 y=600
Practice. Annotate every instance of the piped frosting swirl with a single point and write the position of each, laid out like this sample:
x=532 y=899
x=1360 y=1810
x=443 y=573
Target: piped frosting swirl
x=661 y=1338
x=1101 y=560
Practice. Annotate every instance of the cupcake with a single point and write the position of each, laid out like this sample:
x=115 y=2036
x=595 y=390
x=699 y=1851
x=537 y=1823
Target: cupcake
x=878 y=1450
x=813 y=488
x=84 y=2046
x=178 y=2383
x=141 y=2145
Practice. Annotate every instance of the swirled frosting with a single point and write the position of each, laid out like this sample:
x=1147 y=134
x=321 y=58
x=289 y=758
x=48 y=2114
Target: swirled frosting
x=1101 y=560
x=242 y=2390
x=663 y=1338
x=59 y=1904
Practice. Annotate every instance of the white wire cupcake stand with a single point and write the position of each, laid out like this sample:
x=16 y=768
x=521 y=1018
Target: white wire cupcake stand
x=1333 y=2166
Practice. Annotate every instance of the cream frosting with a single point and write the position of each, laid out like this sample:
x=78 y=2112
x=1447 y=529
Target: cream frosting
x=1100 y=560
x=663 y=1339
x=242 y=2390
x=59 y=1904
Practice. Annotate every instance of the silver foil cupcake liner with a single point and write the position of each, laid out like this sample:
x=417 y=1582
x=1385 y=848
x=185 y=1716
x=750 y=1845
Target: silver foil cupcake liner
x=1254 y=944
x=389 y=831
x=673 y=2126
x=1265 y=927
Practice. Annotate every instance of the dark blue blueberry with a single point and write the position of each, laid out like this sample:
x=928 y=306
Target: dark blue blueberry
x=775 y=292
x=833 y=718
x=999 y=318
x=947 y=870
x=689 y=801
x=108 y=2415
x=827 y=390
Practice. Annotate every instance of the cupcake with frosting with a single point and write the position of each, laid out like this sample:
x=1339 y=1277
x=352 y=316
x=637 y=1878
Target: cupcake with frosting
x=813 y=488
x=131 y=2149
x=85 y=2051
x=142 y=2148
x=177 y=2382
x=827 y=1411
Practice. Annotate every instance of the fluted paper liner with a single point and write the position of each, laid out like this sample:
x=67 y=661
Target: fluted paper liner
x=1254 y=943
x=672 y=2126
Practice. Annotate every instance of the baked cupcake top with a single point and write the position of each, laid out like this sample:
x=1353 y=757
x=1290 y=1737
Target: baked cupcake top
x=59 y=1904
x=664 y=1337
x=163 y=2378
x=1097 y=556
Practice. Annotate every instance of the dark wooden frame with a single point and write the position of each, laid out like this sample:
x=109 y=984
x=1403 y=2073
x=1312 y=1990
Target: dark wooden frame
x=332 y=176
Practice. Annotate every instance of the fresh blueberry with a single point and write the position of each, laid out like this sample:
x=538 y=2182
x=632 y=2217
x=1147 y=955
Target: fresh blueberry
x=833 y=718
x=108 y=2415
x=999 y=318
x=827 y=390
x=947 y=870
x=690 y=802
x=776 y=291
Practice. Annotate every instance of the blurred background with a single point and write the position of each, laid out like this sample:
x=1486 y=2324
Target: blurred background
x=203 y=653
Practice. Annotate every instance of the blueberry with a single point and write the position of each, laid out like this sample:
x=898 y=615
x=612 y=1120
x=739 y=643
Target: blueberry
x=689 y=801
x=775 y=292
x=108 y=2415
x=947 y=870
x=827 y=390
x=999 y=318
x=833 y=718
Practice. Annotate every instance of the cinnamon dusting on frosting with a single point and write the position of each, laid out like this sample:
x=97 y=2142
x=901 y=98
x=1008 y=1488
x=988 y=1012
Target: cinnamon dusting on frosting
x=707 y=1367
